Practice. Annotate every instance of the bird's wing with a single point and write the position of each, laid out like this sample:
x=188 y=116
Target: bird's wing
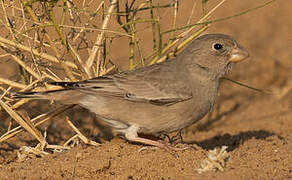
x=143 y=85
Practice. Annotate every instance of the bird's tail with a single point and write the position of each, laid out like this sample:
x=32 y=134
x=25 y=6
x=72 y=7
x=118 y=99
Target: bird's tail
x=66 y=96
x=36 y=95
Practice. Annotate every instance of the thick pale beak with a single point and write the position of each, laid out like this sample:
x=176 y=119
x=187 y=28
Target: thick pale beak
x=238 y=54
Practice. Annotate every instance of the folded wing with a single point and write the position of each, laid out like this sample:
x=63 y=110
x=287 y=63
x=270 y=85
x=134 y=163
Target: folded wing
x=151 y=85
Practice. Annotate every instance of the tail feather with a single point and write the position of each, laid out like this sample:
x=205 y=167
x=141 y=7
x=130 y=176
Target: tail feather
x=65 y=96
x=66 y=84
x=34 y=95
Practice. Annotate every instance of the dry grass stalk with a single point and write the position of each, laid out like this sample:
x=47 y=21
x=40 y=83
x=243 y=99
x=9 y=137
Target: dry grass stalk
x=36 y=122
x=12 y=83
x=35 y=52
x=184 y=34
x=96 y=49
x=28 y=126
x=80 y=135
x=216 y=160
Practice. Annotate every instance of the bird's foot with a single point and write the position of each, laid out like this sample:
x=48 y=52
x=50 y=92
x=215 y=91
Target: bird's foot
x=160 y=144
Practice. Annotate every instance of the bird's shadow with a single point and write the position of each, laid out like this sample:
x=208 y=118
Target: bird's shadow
x=233 y=141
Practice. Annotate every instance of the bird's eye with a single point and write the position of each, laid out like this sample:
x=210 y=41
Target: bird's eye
x=218 y=46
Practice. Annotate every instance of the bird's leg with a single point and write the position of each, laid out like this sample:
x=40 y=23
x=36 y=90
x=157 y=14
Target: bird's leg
x=173 y=139
x=132 y=135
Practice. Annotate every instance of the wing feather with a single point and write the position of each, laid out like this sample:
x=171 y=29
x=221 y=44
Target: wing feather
x=155 y=84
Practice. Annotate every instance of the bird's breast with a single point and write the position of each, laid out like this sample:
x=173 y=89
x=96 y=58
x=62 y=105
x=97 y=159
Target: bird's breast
x=201 y=103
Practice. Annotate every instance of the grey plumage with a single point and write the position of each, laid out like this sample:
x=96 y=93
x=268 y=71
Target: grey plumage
x=160 y=98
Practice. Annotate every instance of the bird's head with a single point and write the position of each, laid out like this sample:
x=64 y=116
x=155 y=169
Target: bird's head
x=214 y=53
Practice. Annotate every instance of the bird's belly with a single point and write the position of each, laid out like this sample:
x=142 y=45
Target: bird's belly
x=179 y=115
x=150 y=118
x=182 y=116
x=172 y=118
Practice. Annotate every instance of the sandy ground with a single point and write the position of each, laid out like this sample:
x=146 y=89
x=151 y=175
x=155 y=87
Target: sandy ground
x=256 y=127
